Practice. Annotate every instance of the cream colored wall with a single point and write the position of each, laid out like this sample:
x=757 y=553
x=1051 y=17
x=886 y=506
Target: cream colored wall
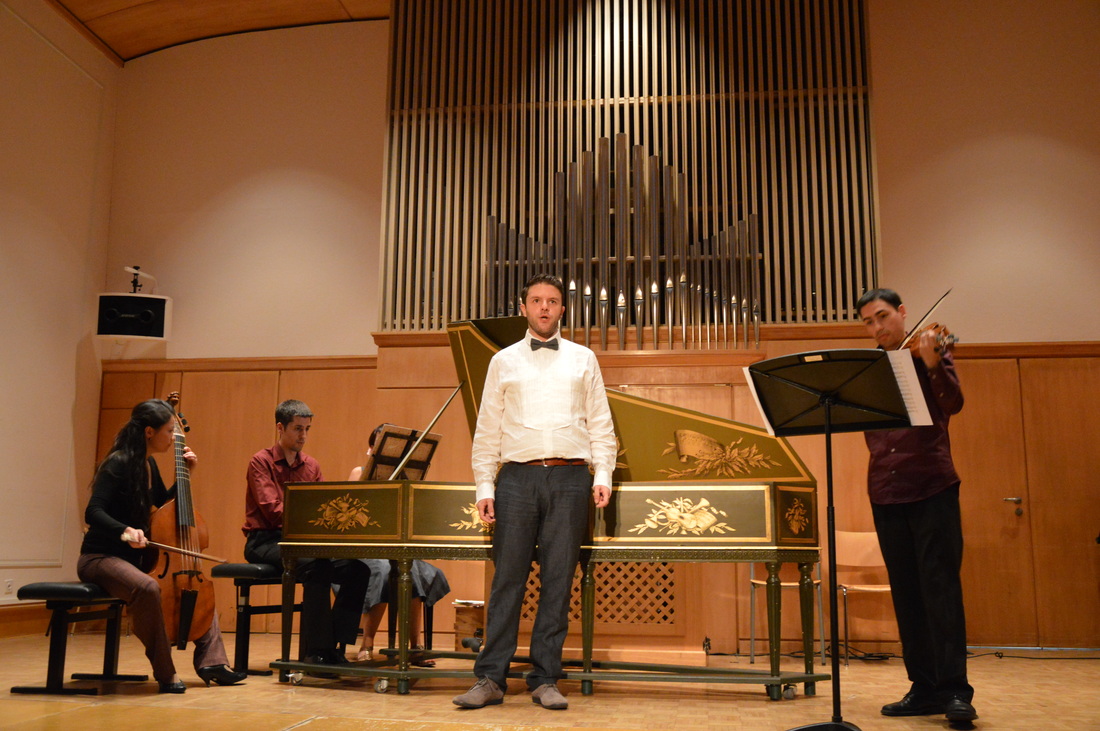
x=248 y=180
x=986 y=119
x=57 y=107
x=247 y=176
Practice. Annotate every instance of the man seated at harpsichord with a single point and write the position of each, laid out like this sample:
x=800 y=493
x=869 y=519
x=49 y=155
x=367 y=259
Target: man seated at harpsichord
x=325 y=626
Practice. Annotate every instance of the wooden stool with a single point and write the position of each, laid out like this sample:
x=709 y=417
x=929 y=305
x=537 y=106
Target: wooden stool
x=62 y=598
x=245 y=576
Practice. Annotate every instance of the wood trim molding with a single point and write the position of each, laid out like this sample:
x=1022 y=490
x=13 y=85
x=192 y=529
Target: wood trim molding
x=23 y=618
x=1081 y=349
x=840 y=331
x=91 y=37
x=411 y=339
x=678 y=358
x=296 y=363
x=616 y=358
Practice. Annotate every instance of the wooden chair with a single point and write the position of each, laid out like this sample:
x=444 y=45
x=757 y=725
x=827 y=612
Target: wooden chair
x=857 y=550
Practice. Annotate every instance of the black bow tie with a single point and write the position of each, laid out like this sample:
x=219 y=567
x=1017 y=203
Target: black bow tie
x=536 y=344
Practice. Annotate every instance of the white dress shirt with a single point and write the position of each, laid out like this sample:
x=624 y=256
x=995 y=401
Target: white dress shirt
x=543 y=404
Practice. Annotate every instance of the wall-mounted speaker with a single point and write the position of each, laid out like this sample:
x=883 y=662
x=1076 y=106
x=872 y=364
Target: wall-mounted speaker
x=135 y=316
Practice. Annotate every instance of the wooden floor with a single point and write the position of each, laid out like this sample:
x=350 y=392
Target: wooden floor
x=1026 y=690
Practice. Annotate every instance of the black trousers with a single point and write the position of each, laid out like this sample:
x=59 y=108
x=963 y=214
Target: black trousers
x=923 y=546
x=324 y=624
x=540 y=512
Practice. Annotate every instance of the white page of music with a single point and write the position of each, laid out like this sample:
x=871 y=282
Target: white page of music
x=906 y=373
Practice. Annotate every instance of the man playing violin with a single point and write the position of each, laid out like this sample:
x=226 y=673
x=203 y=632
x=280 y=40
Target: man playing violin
x=914 y=492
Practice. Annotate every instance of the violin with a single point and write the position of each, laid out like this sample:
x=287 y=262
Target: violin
x=944 y=339
x=178 y=535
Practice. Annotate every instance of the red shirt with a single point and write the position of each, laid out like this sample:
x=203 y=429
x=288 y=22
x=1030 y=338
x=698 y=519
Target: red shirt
x=912 y=464
x=268 y=474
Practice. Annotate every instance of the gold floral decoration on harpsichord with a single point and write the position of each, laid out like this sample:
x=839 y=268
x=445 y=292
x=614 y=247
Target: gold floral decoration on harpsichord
x=344 y=513
x=797 y=516
x=475 y=522
x=683 y=515
x=712 y=458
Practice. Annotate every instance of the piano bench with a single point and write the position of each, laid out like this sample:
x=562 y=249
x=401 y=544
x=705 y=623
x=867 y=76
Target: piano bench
x=245 y=576
x=63 y=598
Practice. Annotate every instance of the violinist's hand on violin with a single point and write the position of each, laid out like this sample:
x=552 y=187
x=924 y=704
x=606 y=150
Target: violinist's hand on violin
x=190 y=458
x=135 y=537
x=929 y=348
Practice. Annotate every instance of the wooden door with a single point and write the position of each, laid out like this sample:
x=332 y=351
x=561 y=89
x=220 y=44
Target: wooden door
x=1061 y=415
x=988 y=446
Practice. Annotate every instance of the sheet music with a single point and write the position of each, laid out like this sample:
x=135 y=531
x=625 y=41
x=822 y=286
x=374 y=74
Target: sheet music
x=906 y=374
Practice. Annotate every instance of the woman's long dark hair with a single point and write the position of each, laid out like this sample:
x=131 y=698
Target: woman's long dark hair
x=126 y=461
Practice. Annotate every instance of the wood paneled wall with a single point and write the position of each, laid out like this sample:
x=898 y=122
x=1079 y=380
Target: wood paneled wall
x=1030 y=579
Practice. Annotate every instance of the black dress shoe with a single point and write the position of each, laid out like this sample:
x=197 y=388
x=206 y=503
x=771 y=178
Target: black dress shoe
x=176 y=687
x=336 y=657
x=914 y=704
x=220 y=674
x=321 y=659
x=960 y=710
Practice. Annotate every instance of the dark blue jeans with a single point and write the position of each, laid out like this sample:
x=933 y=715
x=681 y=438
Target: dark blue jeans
x=923 y=546
x=541 y=512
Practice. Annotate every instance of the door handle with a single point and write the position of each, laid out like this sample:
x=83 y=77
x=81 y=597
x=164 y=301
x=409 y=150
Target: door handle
x=1016 y=500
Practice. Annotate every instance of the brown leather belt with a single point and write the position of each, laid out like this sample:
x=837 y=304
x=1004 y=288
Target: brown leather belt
x=556 y=462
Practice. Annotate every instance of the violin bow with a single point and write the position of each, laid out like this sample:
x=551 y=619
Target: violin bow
x=920 y=323
x=185 y=552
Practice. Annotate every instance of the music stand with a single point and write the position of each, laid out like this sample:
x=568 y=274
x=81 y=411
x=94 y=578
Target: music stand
x=835 y=391
x=392 y=451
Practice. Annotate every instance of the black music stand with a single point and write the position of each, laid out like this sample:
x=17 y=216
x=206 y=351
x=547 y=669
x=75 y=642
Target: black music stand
x=821 y=393
x=392 y=452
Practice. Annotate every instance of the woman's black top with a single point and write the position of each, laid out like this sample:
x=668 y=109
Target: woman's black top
x=108 y=511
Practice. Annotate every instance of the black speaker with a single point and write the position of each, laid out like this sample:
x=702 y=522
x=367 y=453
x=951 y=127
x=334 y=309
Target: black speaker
x=134 y=315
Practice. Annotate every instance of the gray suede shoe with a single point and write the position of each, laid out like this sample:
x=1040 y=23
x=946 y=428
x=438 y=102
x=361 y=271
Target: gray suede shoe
x=484 y=693
x=548 y=696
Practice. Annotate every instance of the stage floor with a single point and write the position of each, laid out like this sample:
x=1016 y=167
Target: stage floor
x=1025 y=690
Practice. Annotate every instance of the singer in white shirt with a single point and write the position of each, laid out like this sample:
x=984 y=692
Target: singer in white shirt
x=545 y=424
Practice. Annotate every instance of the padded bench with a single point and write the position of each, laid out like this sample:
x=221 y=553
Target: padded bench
x=63 y=598
x=245 y=576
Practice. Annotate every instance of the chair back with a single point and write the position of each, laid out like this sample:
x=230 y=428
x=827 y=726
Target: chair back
x=858 y=549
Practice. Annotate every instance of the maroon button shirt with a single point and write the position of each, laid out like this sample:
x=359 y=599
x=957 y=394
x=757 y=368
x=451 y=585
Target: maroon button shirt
x=268 y=474
x=908 y=465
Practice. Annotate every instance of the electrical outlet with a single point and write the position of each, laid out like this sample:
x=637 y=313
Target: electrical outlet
x=8 y=589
